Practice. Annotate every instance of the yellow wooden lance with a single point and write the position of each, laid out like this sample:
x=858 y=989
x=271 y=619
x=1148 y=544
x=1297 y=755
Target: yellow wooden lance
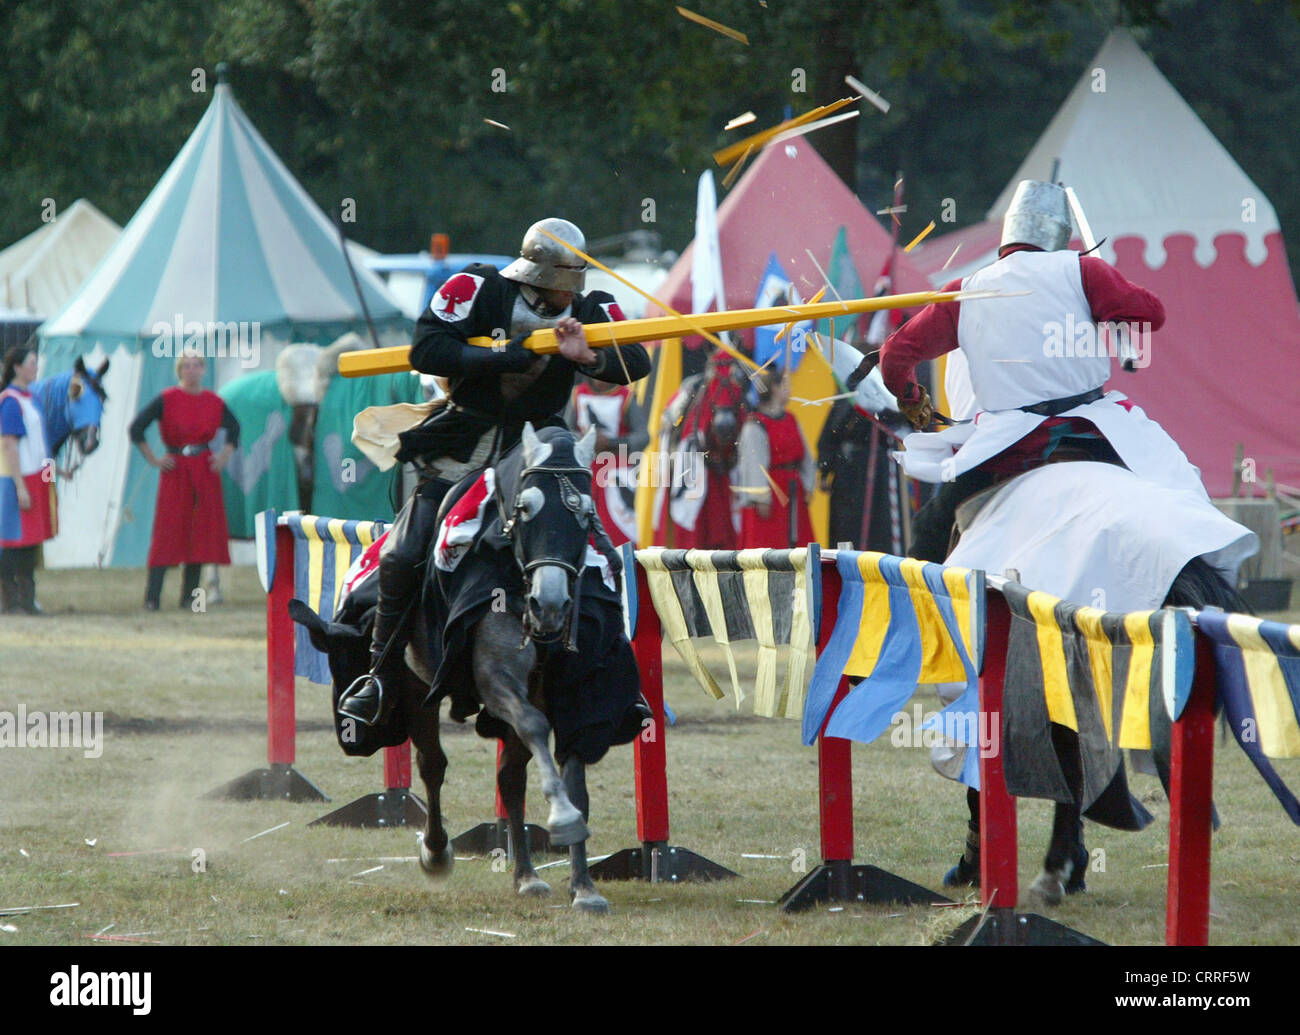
x=365 y=362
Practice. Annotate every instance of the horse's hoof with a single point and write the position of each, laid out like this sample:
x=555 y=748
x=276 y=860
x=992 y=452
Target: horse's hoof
x=531 y=886
x=437 y=864
x=588 y=900
x=1048 y=888
x=565 y=831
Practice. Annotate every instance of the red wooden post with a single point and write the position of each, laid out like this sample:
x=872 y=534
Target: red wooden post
x=280 y=654
x=397 y=766
x=650 y=754
x=834 y=754
x=997 y=808
x=1191 y=776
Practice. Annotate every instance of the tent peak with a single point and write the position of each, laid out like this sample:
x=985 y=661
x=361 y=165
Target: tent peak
x=223 y=74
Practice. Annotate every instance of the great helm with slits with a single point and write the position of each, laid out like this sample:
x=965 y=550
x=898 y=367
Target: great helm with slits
x=1039 y=215
x=543 y=263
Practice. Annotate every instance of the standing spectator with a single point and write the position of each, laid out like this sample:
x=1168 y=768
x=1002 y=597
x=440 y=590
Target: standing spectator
x=851 y=465
x=620 y=433
x=189 y=522
x=773 y=453
x=27 y=507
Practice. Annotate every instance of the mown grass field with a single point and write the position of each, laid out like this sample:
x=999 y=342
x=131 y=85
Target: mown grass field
x=184 y=701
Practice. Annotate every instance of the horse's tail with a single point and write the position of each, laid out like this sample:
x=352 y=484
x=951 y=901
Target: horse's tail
x=1199 y=585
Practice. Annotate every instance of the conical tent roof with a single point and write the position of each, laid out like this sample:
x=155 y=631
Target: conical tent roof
x=43 y=270
x=790 y=202
x=227 y=252
x=1183 y=220
x=1144 y=162
x=227 y=234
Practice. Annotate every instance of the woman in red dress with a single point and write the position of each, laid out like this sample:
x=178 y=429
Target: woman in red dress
x=773 y=452
x=189 y=522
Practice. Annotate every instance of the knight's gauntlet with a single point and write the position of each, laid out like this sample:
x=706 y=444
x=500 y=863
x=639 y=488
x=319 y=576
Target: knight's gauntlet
x=915 y=406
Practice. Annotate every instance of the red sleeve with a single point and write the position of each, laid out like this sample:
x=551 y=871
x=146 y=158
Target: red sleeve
x=1114 y=298
x=928 y=335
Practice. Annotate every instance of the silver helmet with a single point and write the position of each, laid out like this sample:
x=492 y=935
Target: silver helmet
x=1039 y=215
x=545 y=264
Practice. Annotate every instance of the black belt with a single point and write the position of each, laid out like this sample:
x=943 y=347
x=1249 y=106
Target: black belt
x=1054 y=407
x=186 y=450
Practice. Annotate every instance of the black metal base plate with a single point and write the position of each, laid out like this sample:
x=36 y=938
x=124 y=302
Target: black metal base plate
x=1007 y=927
x=658 y=862
x=487 y=838
x=396 y=807
x=280 y=782
x=841 y=881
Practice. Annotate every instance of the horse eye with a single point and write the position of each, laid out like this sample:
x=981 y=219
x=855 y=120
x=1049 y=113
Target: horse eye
x=531 y=501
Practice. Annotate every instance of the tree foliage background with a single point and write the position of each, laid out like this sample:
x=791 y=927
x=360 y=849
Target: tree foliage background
x=608 y=102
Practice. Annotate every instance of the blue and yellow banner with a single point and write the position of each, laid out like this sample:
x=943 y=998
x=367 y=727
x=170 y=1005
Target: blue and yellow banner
x=1258 y=670
x=900 y=622
x=323 y=551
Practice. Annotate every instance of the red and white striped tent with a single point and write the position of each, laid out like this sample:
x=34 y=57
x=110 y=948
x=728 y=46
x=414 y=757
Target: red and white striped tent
x=1182 y=219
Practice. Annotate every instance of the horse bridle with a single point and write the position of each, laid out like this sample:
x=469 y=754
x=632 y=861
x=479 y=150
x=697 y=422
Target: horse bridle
x=571 y=497
x=87 y=382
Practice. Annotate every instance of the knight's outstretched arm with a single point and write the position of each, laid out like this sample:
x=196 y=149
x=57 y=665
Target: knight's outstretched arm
x=928 y=335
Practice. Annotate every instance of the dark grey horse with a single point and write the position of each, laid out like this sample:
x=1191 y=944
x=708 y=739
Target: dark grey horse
x=543 y=502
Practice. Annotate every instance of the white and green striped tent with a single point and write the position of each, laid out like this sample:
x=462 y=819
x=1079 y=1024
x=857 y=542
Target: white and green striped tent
x=227 y=250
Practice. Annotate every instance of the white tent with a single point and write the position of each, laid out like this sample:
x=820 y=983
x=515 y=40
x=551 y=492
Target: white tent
x=40 y=272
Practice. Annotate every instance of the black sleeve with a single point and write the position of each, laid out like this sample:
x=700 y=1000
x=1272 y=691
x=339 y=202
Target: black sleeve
x=828 y=443
x=601 y=307
x=145 y=417
x=231 y=425
x=638 y=431
x=441 y=344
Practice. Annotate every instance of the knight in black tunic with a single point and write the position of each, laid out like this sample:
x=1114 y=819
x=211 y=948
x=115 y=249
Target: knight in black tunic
x=494 y=391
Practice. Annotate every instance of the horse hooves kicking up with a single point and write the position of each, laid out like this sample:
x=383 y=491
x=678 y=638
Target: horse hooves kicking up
x=532 y=886
x=588 y=900
x=437 y=864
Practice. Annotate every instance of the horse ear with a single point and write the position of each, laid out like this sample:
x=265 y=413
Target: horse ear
x=532 y=444
x=80 y=365
x=103 y=369
x=584 y=452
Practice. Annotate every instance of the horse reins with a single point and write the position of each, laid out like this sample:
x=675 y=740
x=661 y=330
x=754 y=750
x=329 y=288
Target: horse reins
x=571 y=498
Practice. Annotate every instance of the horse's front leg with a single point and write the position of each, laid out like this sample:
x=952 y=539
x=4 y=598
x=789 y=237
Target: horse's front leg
x=512 y=780
x=437 y=858
x=501 y=671
x=1066 y=861
x=582 y=892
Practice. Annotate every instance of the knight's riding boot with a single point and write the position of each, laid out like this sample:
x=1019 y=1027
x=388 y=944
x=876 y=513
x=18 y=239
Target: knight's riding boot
x=401 y=572
x=192 y=574
x=967 y=871
x=153 y=587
